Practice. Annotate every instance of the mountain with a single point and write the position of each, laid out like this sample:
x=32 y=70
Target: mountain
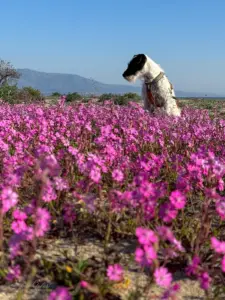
x=183 y=94
x=48 y=83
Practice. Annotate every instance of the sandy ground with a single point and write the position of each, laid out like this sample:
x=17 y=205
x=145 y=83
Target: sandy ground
x=190 y=289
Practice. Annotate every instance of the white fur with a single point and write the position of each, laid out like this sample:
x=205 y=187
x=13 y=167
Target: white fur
x=161 y=91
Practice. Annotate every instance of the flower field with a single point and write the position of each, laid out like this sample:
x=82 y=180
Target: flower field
x=111 y=173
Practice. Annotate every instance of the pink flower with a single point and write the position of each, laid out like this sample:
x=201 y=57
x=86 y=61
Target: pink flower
x=16 y=239
x=49 y=193
x=62 y=100
x=19 y=215
x=223 y=264
x=162 y=277
x=14 y=273
x=72 y=150
x=18 y=226
x=171 y=292
x=148 y=190
x=178 y=245
x=165 y=233
x=42 y=221
x=220 y=185
x=212 y=194
x=30 y=207
x=150 y=254
x=39 y=112
x=149 y=211
x=89 y=201
x=219 y=247
x=50 y=164
x=60 y=184
x=205 y=281
x=60 y=293
x=84 y=284
x=69 y=213
x=9 y=199
x=95 y=174
x=170 y=253
x=178 y=199
x=15 y=245
x=167 y=212
x=28 y=234
x=140 y=257
x=145 y=256
x=182 y=184
x=146 y=236
x=117 y=175
x=220 y=208
x=115 y=272
x=192 y=269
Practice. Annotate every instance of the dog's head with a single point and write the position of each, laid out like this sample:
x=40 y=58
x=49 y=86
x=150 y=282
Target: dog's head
x=135 y=67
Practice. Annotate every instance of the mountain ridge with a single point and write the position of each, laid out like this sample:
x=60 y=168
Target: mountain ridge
x=65 y=83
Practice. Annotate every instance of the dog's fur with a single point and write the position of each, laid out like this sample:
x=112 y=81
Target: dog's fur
x=144 y=68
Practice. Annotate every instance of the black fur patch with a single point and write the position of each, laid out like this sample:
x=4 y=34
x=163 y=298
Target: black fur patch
x=135 y=65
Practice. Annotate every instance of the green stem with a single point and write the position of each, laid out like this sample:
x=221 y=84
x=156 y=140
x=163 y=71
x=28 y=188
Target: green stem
x=1 y=229
x=108 y=232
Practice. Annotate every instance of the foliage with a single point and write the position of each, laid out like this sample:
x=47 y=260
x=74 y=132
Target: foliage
x=34 y=95
x=13 y=95
x=56 y=94
x=8 y=93
x=107 y=96
x=120 y=99
x=111 y=171
x=70 y=97
x=133 y=96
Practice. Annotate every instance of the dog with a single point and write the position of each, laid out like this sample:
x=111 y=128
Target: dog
x=157 y=91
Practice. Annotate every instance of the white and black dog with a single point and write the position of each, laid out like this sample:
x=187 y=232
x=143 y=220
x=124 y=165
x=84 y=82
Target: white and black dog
x=157 y=91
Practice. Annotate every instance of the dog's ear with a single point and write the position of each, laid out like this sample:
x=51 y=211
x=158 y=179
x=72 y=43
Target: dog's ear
x=135 y=65
x=139 y=59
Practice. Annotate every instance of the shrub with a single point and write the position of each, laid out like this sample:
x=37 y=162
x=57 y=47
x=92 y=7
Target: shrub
x=56 y=94
x=34 y=94
x=73 y=97
x=8 y=93
x=120 y=99
x=106 y=96
x=13 y=95
x=132 y=96
x=28 y=95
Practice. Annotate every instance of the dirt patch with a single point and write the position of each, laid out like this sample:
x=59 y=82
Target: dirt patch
x=134 y=277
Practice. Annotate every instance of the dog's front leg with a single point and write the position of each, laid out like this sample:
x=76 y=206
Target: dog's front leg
x=147 y=105
x=171 y=108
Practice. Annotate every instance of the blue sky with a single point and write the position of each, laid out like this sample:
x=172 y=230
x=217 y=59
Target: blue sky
x=97 y=38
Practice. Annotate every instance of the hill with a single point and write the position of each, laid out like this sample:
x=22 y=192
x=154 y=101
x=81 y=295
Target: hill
x=48 y=83
x=65 y=83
